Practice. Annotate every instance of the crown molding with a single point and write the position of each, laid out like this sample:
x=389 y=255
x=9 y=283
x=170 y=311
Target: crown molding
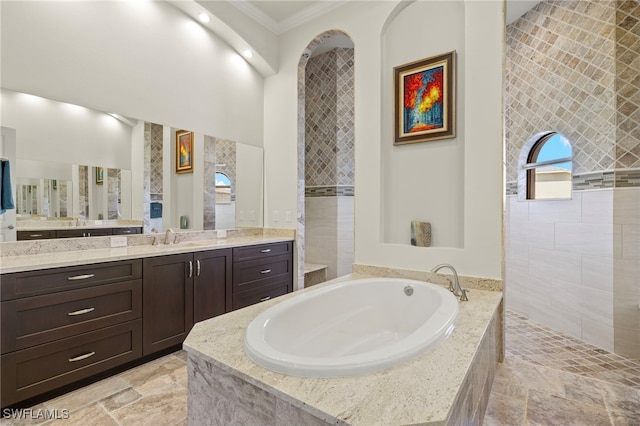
x=289 y=23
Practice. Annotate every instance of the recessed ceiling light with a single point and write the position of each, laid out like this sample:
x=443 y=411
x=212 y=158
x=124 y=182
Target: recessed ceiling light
x=247 y=53
x=204 y=18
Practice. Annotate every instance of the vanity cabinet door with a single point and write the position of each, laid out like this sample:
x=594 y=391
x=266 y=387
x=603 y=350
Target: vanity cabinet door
x=212 y=284
x=167 y=300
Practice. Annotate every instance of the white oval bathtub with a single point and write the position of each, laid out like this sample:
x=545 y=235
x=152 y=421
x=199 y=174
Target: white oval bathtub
x=350 y=328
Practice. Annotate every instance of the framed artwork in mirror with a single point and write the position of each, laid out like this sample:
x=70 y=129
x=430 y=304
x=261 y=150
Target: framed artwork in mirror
x=424 y=99
x=99 y=175
x=184 y=151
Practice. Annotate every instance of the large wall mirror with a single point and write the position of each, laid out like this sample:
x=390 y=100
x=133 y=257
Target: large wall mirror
x=74 y=162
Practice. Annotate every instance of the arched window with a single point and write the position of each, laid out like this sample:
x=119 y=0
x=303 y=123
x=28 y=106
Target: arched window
x=223 y=189
x=549 y=168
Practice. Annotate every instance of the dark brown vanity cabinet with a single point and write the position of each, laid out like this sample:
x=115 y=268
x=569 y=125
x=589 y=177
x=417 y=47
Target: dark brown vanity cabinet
x=180 y=290
x=64 y=324
x=77 y=233
x=261 y=272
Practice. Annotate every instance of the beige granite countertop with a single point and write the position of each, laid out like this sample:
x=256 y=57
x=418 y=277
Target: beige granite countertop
x=34 y=258
x=419 y=391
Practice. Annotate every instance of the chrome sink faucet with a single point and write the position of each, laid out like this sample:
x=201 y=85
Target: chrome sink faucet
x=166 y=236
x=454 y=286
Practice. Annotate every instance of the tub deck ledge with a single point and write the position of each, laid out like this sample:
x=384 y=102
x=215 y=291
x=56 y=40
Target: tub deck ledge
x=447 y=384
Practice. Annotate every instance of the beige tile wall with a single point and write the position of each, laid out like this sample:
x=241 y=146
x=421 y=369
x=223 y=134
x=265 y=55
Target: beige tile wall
x=329 y=233
x=574 y=265
x=559 y=264
x=329 y=161
x=626 y=272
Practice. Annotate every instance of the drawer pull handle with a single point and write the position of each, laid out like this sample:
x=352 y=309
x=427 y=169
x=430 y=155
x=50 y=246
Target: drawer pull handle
x=264 y=299
x=81 y=312
x=81 y=357
x=265 y=271
x=35 y=235
x=265 y=250
x=81 y=277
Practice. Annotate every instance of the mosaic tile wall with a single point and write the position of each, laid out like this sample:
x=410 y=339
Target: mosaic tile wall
x=225 y=162
x=209 y=195
x=155 y=133
x=148 y=223
x=219 y=156
x=62 y=188
x=113 y=196
x=560 y=76
x=628 y=83
x=329 y=112
x=83 y=183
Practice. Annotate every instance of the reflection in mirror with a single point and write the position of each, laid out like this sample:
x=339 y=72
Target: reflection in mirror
x=103 y=193
x=223 y=192
x=42 y=198
x=71 y=191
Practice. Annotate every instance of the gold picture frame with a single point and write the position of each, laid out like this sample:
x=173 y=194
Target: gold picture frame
x=425 y=94
x=99 y=175
x=184 y=151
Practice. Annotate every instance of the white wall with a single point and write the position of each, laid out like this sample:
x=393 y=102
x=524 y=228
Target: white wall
x=142 y=59
x=481 y=188
x=436 y=168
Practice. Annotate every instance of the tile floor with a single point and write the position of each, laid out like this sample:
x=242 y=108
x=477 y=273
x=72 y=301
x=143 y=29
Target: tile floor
x=552 y=379
x=547 y=379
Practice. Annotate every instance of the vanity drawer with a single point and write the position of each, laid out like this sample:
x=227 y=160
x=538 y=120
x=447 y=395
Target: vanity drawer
x=256 y=273
x=77 y=233
x=261 y=294
x=260 y=251
x=33 y=283
x=127 y=231
x=36 y=320
x=35 y=235
x=30 y=372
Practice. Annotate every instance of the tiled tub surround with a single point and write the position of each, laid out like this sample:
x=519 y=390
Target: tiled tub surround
x=21 y=256
x=573 y=265
x=449 y=384
x=547 y=378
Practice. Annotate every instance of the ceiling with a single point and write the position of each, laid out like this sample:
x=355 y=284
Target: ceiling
x=280 y=16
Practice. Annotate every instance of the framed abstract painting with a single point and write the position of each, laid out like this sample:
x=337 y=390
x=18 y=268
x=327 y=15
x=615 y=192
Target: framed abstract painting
x=425 y=100
x=184 y=151
x=99 y=175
